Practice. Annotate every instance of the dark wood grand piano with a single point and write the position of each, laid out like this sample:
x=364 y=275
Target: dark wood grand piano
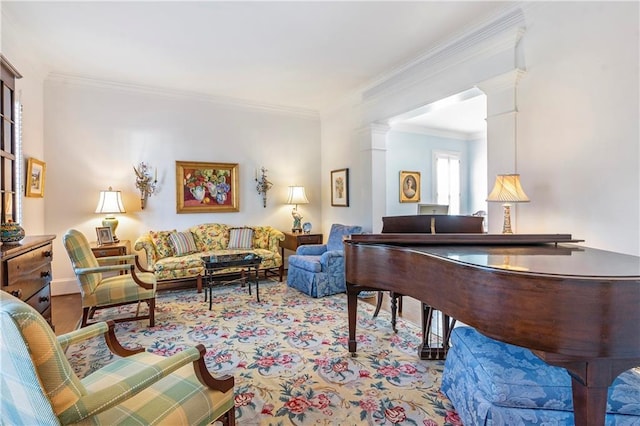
x=573 y=306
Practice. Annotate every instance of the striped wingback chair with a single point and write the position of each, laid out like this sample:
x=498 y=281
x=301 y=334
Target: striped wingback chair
x=100 y=291
x=40 y=387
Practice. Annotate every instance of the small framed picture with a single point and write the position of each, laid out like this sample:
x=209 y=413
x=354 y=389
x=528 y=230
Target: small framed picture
x=340 y=188
x=104 y=235
x=35 y=178
x=409 y=187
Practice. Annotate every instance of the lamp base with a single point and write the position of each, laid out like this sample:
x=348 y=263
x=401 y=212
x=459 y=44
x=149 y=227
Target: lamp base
x=112 y=223
x=506 y=225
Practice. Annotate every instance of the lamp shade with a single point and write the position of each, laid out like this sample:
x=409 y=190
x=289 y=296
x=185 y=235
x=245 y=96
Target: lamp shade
x=507 y=189
x=297 y=195
x=110 y=202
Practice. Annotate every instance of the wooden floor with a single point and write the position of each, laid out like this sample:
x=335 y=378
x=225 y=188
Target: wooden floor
x=66 y=311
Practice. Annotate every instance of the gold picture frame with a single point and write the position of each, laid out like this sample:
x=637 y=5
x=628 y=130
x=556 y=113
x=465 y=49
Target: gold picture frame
x=409 y=187
x=207 y=187
x=36 y=170
x=340 y=188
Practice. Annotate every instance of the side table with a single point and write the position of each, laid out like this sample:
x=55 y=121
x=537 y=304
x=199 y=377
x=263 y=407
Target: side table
x=293 y=241
x=121 y=248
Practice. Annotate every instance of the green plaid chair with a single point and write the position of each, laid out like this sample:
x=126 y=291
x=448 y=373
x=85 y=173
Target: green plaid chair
x=38 y=384
x=99 y=291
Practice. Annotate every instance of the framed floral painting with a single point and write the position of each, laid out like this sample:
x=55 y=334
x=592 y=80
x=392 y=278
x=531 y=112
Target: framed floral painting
x=340 y=188
x=207 y=187
x=409 y=187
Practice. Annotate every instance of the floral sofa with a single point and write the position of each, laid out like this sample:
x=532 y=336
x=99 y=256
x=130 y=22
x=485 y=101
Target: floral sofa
x=175 y=256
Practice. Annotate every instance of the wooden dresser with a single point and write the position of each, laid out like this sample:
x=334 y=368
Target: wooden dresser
x=25 y=271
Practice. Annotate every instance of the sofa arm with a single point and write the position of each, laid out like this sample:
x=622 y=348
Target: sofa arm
x=311 y=249
x=145 y=243
x=275 y=236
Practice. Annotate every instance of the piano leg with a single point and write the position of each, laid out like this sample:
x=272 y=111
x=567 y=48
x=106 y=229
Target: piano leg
x=590 y=381
x=352 y=312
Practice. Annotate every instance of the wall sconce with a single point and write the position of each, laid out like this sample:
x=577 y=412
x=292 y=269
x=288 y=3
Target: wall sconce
x=297 y=196
x=263 y=185
x=110 y=202
x=145 y=183
x=507 y=189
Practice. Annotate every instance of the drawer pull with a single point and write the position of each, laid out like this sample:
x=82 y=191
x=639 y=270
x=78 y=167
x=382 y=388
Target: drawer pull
x=47 y=253
x=43 y=299
x=16 y=293
x=45 y=274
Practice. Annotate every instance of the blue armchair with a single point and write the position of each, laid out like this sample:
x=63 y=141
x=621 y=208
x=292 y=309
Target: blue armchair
x=318 y=269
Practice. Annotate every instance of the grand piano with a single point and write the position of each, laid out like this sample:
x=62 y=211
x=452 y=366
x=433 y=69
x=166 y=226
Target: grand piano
x=573 y=306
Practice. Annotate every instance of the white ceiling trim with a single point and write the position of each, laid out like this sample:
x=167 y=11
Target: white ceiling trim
x=491 y=36
x=440 y=133
x=181 y=94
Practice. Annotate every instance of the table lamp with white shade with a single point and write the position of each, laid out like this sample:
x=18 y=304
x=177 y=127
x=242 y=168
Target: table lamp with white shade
x=507 y=190
x=110 y=203
x=297 y=196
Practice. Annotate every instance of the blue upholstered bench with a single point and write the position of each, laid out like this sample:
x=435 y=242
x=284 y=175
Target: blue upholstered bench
x=494 y=383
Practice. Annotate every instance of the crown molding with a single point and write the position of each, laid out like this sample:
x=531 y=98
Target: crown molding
x=496 y=34
x=88 y=81
x=440 y=133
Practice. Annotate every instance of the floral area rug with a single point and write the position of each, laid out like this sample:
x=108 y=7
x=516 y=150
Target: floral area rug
x=289 y=357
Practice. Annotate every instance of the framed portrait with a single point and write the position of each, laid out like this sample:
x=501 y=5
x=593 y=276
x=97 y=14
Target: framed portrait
x=105 y=236
x=207 y=187
x=340 y=188
x=409 y=187
x=35 y=178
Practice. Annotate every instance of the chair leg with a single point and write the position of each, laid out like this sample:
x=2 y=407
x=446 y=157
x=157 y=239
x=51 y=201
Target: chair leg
x=229 y=418
x=85 y=316
x=152 y=312
x=378 y=304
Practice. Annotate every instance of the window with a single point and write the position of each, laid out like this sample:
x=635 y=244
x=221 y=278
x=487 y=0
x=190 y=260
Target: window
x=447 y=179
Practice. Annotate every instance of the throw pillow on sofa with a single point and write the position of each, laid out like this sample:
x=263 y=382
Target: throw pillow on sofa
x=161 y=242
x=182 y=243
x=240 y=238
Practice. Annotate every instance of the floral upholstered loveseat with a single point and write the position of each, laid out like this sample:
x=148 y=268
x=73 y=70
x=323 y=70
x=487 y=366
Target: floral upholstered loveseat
x=177 y=255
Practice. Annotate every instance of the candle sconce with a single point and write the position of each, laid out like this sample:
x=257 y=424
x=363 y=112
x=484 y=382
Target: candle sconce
x=145 y=182
x=263 y=185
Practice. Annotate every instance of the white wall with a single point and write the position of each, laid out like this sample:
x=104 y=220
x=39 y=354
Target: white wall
x=414 y=152
x=579 y=141
x=96 y=133
x=578 y=150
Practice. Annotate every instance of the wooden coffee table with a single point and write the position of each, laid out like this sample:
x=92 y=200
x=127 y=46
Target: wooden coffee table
x=214 y=264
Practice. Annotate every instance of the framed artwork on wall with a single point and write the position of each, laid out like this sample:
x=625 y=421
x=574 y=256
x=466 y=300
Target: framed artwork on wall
x=409 y=187
x=35 y=178
x=340 y=188
x=207 y=187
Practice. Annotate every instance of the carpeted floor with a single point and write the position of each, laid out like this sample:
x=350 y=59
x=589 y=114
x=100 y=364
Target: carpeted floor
x=289 y=357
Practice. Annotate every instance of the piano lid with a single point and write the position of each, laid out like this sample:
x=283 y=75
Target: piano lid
x=548 y=259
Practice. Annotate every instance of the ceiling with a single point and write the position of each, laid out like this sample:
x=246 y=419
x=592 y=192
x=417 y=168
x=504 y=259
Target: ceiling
x=302 y=55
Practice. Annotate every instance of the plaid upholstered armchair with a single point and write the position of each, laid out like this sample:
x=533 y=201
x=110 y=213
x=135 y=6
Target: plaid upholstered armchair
x=99 y=291
x=318 y=269
x=38 y=384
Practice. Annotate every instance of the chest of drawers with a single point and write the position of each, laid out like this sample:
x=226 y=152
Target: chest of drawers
x=25 y=271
